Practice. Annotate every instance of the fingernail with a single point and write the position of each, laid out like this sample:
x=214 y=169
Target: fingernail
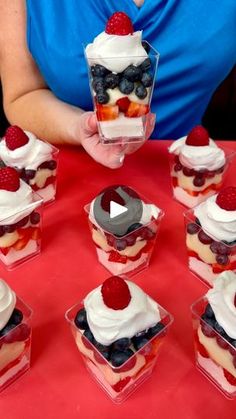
x=122 y=158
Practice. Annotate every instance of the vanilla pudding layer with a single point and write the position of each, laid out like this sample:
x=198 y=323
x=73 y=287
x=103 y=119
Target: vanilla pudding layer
x=117 y=268
x=190 y=201
x=186 y=182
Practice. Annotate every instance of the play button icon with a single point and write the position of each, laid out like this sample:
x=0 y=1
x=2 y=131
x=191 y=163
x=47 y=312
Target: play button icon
x=116 y=209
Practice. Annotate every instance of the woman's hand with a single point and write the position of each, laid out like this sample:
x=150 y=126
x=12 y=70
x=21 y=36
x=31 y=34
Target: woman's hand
x=111 y=156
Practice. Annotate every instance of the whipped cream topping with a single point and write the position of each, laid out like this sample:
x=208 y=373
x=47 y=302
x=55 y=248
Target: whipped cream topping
x=221 y=298
x=28 y=156
x=7 y=303
x=209 y=157
x=16 y=205
x=218 y=223
x=116 y=52
x=108 y=325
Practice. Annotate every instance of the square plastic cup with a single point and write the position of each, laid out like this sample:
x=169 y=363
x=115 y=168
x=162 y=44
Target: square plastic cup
x=129 y=254
x=21 y=240
x=15 y=348
x=43 y=180
x=121 y=104
x=119 y=382
x=209 y=182
x=215 y=355
x=207 y=257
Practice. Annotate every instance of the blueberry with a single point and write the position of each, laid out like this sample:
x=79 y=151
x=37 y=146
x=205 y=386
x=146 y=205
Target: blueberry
x=219 y=328
x=134 y=227
x=204 y=238
x=29 y=174
x=147 y=79
x=81 y=319
x=9 y=228
x=7 y=329
x=208 y=331
x=139 y=341
x=130 y=240
x=126 y=86
x=52 y=164
x=98 y=70
x=197 y=221
x=121 y=344
x=209 y=312
x=198 y=181
x=132 y=73
x=111 y=81
x=120 y=357
x=16 y=317
x=188 y=172
x=146 y=46
x=193 y=228
x=152 y=331
x=88 y=334
x=146 y=65
x=2 y=231
x=98 y=84
x=222 y=259
x=178 y=167
x=141 y=91
x=22 y=222
x=120 y=244
x=105 y=350
x=34 y=217
x=102 y=97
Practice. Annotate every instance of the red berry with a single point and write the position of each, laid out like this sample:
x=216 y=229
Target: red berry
x=15 y=137
x=229 y=377
x=110 y=194
x=123 y=103
x=9 y=179
x=115 y=293
x=198 y=136
x=119 y=24
x=226 y=199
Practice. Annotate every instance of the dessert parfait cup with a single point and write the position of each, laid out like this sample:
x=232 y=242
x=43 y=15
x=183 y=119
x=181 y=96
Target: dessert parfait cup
x=128 y=254
x=215 y=353
x=207 y=257
x=21 y=240
x=15 y=347
x=191 y=187
x=119 y=382
x=122 y=100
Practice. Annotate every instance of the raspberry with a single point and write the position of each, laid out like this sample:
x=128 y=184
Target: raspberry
x=115 y=293
x=15 y=137
x=123 y=103
x=119 y=24
x=9 y=179
x=226 y=199
x=198 y=136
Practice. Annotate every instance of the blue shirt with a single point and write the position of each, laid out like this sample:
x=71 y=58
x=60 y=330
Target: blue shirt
x=196 y=40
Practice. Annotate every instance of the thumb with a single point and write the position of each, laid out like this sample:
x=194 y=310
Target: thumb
x=88 y=122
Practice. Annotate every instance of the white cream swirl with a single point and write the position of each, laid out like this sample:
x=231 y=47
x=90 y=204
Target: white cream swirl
x=218 y=223
x=28 y=156
x=108 y=325
x=209 y=157
x=7 y=303
x=16 y=205
x=116 y=52
x=221 y=298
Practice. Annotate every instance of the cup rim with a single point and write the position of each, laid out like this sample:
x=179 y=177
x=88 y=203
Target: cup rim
x=154 y=51
x=27 y=316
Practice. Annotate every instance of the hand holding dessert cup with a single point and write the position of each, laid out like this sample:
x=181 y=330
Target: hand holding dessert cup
x=124 y=229
x=20 y=220
x=15 y=336
x=35 y=160
x=198 y=167
x=122 y=72
x=214 y=326
x=211 y=235
x=119 y=331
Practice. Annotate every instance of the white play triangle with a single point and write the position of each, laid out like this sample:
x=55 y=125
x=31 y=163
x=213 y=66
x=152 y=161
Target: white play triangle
x=116 y=209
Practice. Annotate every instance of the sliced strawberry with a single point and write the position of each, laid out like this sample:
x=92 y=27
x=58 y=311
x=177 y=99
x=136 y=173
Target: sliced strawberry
x=116 y=257
x=4 y=250
x=229 y=377
x=121 y=384
x=123 y=103
x=136 y=109
x=119 y=24
x=107 y=112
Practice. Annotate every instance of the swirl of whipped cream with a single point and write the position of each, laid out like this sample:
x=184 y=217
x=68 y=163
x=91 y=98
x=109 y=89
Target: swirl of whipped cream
x=116 y=52
x=217 y=222
x=7 y=303
x=209 y=157
x=108 y=325
x=16 y=205
x=221 y=298
x=28 y=156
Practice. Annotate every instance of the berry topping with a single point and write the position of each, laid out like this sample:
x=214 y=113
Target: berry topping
x=119 y=24
x=226 y=199
x=115 y=293
x=110 y=195
x=15 y=137
x=198 y=136
x=9 y=179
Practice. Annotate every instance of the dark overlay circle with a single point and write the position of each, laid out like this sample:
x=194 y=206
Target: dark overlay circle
x=124 y=196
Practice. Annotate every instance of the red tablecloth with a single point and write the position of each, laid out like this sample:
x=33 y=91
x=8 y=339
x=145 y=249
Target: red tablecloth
x=57 y=385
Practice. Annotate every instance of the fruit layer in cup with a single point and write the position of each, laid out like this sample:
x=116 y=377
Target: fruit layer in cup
x=215 y=351
x=208 y=257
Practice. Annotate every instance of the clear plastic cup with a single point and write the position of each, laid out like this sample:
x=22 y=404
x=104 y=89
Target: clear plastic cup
x=215 y=355
x=121 y=104
x=15 y=348
x=119 y=382
x=208 y=182
x=21 y=240
x=207 y=257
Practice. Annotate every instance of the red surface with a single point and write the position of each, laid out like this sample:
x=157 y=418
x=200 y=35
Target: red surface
x=57 y=385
